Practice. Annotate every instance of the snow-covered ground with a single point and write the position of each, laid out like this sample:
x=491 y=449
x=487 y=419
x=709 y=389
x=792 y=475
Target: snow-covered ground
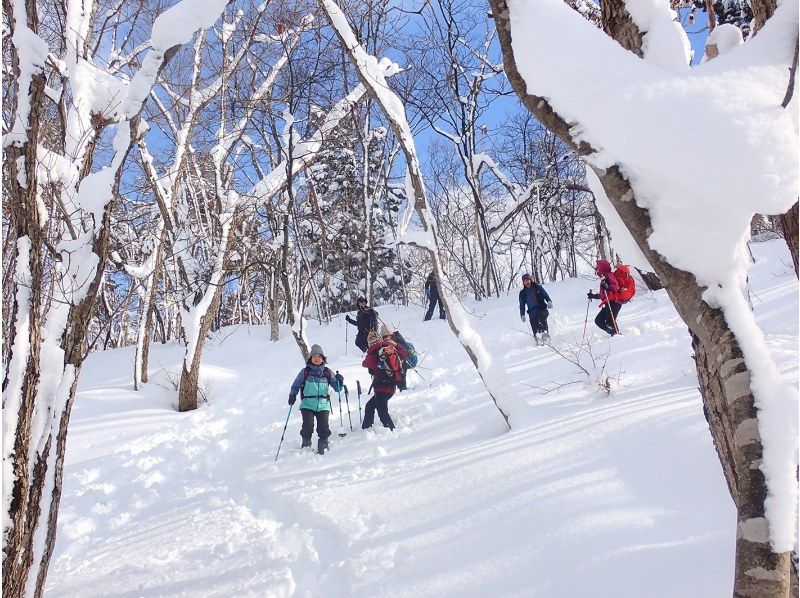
x=593 y=495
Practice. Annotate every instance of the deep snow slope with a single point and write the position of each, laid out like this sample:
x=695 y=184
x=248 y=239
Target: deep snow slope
x=593 y=495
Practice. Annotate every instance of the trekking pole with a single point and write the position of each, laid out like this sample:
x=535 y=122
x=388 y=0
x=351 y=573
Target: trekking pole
x=284 y=431
x=416 y=371
x=611 y=313
x=346 y=328
x=358 y=386
x=586 y=319
x=347 y=400
x=613 y=318
x=341 y=421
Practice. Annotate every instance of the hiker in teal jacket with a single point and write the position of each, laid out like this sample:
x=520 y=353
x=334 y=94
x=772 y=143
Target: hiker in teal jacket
x=313 y=383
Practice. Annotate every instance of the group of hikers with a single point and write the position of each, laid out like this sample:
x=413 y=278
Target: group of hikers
x=616 y=287
x=388 y=356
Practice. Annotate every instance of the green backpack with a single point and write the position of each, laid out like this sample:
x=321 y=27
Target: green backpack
x=413 y=357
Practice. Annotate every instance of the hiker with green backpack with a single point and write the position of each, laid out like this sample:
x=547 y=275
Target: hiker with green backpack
x=313 y=383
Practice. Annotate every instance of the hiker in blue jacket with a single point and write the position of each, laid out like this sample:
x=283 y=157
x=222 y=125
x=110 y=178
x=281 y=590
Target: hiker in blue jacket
x=313 y=383
x=537 y=301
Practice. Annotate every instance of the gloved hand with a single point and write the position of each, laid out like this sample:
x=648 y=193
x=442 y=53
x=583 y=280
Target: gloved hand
x=349 y=319
x=591 y=295
x=522 y=319
x=340 y=378
x=549 y=305
x=292 y=399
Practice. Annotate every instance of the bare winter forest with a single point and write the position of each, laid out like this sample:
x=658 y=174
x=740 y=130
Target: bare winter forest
x=173 y=168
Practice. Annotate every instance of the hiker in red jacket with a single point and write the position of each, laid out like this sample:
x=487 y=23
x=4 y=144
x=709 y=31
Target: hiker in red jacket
x=606 y=319
x=384 y=360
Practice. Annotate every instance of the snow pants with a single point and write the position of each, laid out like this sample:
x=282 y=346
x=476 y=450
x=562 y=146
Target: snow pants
x=361 y=341
x=603 y=319
x=434 y=299
x=323 y=429
x=539 y=321
x=379 y=402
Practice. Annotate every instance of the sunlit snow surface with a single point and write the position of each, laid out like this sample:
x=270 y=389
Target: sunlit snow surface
x=595 y=496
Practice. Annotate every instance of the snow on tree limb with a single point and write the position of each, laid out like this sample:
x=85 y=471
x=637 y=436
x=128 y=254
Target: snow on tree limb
x=32 y=52
x=305 y=152
x=82 y=253
x=371 y=74
x=637 y=122
x=12 y=394
x=713 y=90
x=664 y=40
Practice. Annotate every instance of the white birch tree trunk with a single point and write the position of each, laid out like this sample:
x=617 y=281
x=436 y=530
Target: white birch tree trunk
x=371 y=73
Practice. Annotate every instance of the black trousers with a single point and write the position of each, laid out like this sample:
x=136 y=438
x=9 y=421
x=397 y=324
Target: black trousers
x=323 y=429
x=434 y=299
x=539 y=321
x=379 y=402
x=603 y=319
x=361 y=341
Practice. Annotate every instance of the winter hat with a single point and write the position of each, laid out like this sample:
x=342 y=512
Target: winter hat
x=361 y=300
x=387 y=329
x=603 y=267
x=316 y=350
x=526 y=277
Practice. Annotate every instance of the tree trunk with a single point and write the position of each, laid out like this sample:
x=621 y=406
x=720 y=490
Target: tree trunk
x=617 y=23
x=145 y=332
x=729 y=408
x=52 y=518
x=762 y=10
x=789 y=225
x=368 y=203
x=728 y=401
x=651 y=280
x=26 y=490
x=20 y=392
x=274 y=312
x=493 y=377
x=190 y=377
x=725 y=379
x=295 y=317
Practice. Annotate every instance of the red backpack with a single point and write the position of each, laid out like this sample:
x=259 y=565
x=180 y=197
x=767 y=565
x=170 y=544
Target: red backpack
x=390 y=363
x=627 y=285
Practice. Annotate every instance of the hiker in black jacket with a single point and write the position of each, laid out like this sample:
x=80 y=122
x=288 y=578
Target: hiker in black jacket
x=432 y=292
x=366 y=320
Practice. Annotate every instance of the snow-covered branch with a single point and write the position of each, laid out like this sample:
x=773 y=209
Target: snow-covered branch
x=372 y=76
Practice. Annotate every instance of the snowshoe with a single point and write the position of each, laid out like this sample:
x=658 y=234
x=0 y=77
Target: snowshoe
x=322 y=446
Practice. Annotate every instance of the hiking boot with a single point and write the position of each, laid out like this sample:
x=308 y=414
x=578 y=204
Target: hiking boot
x=322 y=446
x=306 y=443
